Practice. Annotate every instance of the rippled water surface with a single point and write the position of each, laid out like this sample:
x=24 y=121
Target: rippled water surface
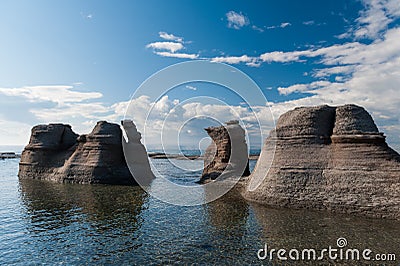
x=46 y=223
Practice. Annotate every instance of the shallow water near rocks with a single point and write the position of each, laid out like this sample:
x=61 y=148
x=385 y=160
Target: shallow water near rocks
x=46 y=223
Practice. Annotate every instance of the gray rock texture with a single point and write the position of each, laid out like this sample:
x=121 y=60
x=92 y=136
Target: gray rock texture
x=328 y=158
x=56 y=153
x=227 y=154
x=136 y=154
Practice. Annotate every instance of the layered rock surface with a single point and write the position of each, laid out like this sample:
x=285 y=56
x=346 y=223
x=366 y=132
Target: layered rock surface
x=136 y=154
x=227 y=155
x=56 y=153
x=328 y=158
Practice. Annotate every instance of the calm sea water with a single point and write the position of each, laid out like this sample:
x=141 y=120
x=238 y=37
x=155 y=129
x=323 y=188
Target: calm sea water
x=46 y=223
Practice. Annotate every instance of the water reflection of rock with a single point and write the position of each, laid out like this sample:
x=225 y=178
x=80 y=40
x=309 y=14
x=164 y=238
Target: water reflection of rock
x=51 y=206
x=228 y=214
x=299 y=229
x=227 y=231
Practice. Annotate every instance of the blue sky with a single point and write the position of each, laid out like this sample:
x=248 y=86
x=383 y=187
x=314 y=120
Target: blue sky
x=80 y=61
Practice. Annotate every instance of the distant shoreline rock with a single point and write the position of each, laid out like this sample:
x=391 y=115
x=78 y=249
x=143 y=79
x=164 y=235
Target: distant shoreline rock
x=328 y=158
x=9 y=155
x=161 y=155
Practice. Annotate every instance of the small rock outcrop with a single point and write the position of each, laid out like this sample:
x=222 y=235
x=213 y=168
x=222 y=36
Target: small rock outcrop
x=328 y=158
x=227 y=155
x=56 y=153
x=8 y=155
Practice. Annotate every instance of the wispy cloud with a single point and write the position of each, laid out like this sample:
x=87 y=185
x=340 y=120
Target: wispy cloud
x=193 y=88
x=285 y=24
x=254 y=27
x=309 y=22
x=73 y=111
x=239 y=20
x=170 y=46
x=86 y=15
x=304 y=87
x=353 y=53
x=235 y=59
x=376 y=17
x=170 y=37
x=236 y=20
x=282 y=57
x=45 y=104
x=177 y=55
x=282 y=25
x=292 y=89
x=329 y=71
x=58 y=94
x=330 y=55
x=169 y=49
x=13 y=132
x=341 y=55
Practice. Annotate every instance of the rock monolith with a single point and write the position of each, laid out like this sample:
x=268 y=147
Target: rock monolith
x=328 y=158
x=58 y=154
x=227 y=155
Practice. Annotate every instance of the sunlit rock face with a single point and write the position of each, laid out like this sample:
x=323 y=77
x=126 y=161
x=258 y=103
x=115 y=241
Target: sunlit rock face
x=227 y=155
x=328 y=158
x=48 y=149
x=56 y=153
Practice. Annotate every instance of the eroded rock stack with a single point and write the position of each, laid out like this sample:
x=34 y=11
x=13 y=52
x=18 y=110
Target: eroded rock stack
x=328 y=158
x=56 y=153
x=227 y=154
x=135 y=154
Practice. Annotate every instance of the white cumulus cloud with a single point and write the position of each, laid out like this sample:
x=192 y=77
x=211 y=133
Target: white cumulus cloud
x=169 y=37
x=236 y=20
x=169 y=46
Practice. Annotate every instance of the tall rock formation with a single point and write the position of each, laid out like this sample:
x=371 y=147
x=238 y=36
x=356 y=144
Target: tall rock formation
x=227 y=155
x=136 y=154
x=56 y=153
x=328 y=158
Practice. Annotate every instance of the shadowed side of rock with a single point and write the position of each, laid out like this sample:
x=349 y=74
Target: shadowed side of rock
x=227 y=154
x=328 y=158
x=56 y=153
x=136 y=154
